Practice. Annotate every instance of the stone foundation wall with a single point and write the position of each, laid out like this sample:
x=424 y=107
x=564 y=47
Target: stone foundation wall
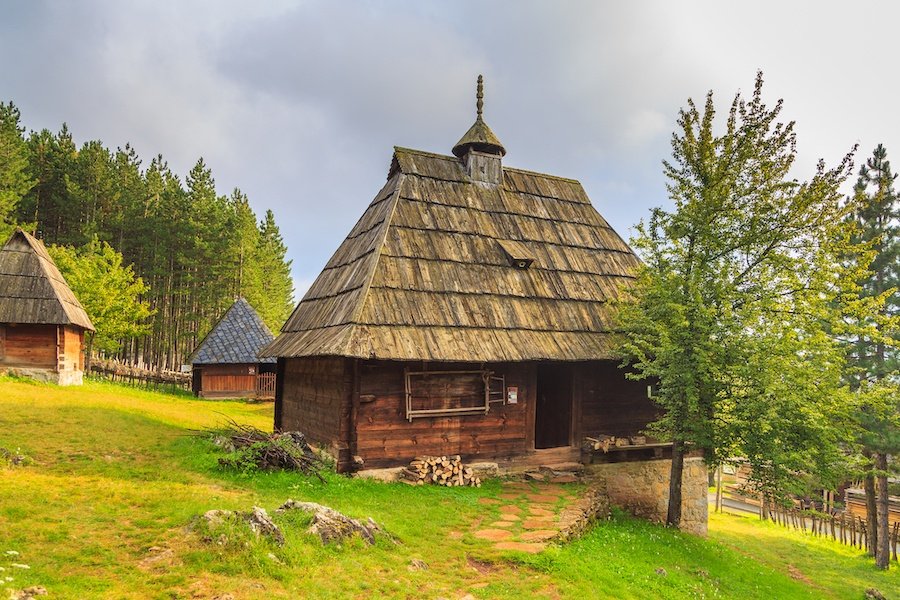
x=67 y=377
x=642 y=488
x=70 y=377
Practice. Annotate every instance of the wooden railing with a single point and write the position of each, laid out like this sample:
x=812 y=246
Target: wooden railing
x=127 y=374
x=845 y=528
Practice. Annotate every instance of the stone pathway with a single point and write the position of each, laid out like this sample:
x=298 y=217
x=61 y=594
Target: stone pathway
x=525 y=516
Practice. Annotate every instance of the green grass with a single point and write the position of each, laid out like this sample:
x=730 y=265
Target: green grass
x=107 y=508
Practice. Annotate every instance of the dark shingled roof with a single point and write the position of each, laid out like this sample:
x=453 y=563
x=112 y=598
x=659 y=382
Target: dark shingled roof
x=32 y=290
x=235 y=339
x=426 y=273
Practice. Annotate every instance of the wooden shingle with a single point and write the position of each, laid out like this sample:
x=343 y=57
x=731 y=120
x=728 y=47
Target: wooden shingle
x=426 y=272
x=32 y=290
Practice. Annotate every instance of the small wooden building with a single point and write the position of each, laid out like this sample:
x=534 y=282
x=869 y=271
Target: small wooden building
x=42 y=324
x=467 y=312
x=226 y=365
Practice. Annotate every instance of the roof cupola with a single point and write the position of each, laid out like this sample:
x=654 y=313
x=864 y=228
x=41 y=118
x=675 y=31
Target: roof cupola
x=479 y=148
x=479 y=136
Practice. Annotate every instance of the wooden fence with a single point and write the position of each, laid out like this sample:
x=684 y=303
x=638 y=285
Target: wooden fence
x=845 y=528
x=143 y=378
x=265 y=386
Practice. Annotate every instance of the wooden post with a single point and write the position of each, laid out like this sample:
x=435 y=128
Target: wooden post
x=843 y=530
x=863 y=535
x=895 y=538
x=719 y=488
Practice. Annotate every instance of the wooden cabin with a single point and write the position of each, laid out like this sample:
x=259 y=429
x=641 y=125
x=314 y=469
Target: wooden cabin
x=42 y=324
x=225 y=363
x=467 y=312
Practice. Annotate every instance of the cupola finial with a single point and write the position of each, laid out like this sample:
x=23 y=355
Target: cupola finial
x=479 y=104
x=479 y=137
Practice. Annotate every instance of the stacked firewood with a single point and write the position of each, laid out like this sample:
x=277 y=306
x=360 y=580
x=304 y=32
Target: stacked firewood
x=439 y=470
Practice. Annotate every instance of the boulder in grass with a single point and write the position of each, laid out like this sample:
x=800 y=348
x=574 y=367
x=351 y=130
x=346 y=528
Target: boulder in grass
x=257 y=519
x=332 y=526
x=29 y=593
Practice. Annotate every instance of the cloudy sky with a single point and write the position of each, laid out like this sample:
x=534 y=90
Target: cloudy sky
x=299 y=103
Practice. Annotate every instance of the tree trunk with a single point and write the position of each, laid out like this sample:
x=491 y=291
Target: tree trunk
x=88 y=351
x=871 y=513
x=673 y=517
x=882 y=537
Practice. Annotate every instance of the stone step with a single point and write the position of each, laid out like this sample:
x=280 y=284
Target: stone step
x=566 y=467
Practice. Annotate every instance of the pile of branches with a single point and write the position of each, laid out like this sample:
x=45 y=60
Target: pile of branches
x=253 y=449
x=13 y=459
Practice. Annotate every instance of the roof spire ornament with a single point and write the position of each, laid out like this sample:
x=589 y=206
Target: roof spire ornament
x=479 y=95
x=479 y=137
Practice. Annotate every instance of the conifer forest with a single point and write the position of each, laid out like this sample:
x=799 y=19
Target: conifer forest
x=194 y=248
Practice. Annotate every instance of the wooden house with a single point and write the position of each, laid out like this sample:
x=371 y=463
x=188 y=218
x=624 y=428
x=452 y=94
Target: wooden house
x=225 y=363
x=42 y=324
x=467 y=312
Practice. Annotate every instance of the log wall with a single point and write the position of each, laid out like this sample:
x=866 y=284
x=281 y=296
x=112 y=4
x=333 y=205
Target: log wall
x=611 y=404
x=228 y=381
x=32 y=346
x=384 y=437
x=315 y=398
x=358 y=408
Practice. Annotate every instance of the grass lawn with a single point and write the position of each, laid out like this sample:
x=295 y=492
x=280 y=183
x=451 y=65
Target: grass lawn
x=106 y=507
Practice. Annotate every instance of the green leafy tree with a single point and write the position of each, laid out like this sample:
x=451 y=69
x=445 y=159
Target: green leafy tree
x=728 y=313
x=15 y=181
x=109 y=291
x=874 y=359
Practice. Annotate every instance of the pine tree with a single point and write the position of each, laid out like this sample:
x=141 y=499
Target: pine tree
x=274 y=293
x=15 y=181
x=92 y=193
x=245 y=239
x=874 y=359
x=196 y=250
x=47 y=205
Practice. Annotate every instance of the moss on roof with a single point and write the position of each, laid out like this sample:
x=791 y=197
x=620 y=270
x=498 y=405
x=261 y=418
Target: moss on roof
x=423 y=275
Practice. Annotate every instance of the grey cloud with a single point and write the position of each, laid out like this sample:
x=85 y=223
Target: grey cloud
x=299 y=103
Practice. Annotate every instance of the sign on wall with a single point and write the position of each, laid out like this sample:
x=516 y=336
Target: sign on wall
x=512 y=395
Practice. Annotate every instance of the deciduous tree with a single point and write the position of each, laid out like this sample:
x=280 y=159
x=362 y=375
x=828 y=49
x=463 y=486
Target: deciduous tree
x=729 y=311
x=109 y=291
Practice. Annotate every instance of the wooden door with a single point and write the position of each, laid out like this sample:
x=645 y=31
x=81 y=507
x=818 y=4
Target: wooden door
x=553 y=410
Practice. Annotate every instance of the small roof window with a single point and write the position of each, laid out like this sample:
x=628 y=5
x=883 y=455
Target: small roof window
x=518 y=253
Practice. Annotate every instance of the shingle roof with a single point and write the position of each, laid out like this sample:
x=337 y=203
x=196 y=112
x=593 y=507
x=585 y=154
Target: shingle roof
x=425 y=274
x=32 y=290
x=235 y=339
